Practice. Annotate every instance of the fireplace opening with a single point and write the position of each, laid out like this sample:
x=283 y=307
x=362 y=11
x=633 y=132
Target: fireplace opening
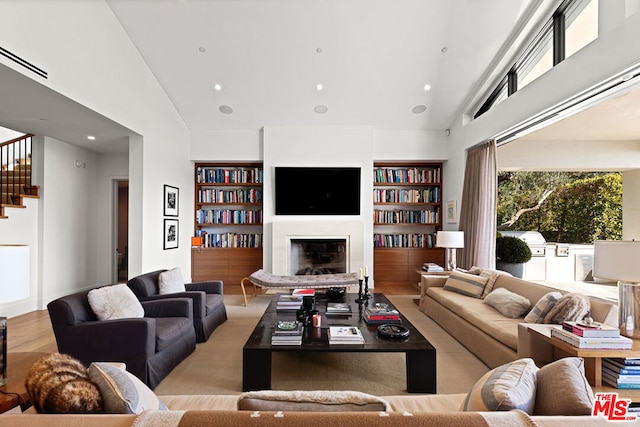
x=318 y=256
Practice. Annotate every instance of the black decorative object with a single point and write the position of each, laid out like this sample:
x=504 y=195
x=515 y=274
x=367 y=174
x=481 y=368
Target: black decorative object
x=336 y=294
x=360 y=300
x=366 y=295
x=393 y=331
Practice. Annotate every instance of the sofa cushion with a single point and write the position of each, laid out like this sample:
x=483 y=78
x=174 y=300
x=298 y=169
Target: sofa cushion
x=492 y=277
x=476 y=312
x=508 y=303
x=312 y=401
x=114 y=302
x=169 y=329
x=571 y=307
x=563 y=389
x=507 y=387
x=465 y=284
x=542 y=307
x=171 y=282
x=123 y=392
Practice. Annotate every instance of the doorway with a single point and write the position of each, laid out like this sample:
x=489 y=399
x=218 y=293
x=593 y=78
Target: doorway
x=121 y=262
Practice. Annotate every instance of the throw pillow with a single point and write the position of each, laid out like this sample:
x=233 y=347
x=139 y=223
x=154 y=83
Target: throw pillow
x=115 y=302
x=59 y=384
x=542 y=307
x=492 y=276
x=507 y=387
x=465 y=284
x=311 y=401
x=571 y=307
x=123 y=392
x=563 y=389
x=508 y=303
x=171 y=281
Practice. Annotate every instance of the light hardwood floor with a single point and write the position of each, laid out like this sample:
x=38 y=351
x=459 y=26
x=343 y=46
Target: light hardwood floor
x=32 y=331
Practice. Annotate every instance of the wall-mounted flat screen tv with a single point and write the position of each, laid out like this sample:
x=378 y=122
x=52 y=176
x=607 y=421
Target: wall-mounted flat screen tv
x=317 y=190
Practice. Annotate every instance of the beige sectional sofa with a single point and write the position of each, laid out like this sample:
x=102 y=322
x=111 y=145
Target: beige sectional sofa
x=492 y=337
x=199 y=410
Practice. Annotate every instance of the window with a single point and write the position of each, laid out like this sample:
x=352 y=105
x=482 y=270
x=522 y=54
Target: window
x=581 y=26
x=538 y=61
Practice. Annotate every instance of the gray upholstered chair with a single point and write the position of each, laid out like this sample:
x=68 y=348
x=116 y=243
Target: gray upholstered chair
x=209 y=310
x=150 y=346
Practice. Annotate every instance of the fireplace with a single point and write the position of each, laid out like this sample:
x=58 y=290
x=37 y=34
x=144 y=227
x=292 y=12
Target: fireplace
x=318 y=256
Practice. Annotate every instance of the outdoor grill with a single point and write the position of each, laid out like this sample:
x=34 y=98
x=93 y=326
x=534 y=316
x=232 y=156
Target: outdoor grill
x=533 y=239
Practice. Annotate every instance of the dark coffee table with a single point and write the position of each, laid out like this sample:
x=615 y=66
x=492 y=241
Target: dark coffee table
x=419 y=353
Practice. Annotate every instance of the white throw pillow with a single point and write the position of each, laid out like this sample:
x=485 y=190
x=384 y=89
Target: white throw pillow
x=508 y=303
x=115 y=302
x=171 y=281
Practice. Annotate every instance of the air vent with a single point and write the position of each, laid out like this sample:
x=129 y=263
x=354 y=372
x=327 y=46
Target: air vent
x=29 y=66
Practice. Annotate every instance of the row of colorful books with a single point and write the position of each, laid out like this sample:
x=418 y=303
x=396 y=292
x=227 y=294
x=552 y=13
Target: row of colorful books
x=407 y=240
x=426 y=195
x=406 y=175
x=622 y=373
x=406 y=217
x=592 y=336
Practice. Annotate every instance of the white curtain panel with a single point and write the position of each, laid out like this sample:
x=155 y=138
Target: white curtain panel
x=479 y=207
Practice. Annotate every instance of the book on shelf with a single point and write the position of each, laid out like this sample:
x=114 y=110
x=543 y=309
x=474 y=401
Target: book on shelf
x=345 y=335
x=593 y=330
x=338 y=308
x=620 y=368
x=627 y=362
x=599 y=343
x=432 y=267
x=621 y=377
x=613 y=382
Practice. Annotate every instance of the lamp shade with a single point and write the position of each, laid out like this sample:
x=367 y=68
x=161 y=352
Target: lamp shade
x=14 y=272
x=616 y=260
x=450 y=239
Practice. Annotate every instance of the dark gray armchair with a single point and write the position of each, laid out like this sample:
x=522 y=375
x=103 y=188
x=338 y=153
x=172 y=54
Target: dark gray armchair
x=209 y=310
x=150 y=346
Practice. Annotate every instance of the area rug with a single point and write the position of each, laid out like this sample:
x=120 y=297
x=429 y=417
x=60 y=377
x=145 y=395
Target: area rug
x=216 y=365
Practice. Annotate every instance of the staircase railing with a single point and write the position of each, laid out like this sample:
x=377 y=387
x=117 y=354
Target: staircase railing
x=15 y=176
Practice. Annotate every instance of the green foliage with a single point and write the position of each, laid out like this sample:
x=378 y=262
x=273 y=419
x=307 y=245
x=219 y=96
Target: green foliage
x=583 y=207
x=512 y=250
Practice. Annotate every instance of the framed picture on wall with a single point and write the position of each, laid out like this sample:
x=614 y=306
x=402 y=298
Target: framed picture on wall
x=170 y=234
x=171 y=196
x=451 y=212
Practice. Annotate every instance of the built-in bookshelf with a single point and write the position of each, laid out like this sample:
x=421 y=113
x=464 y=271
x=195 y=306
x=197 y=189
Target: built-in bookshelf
x=228 y=218
x=407 y=199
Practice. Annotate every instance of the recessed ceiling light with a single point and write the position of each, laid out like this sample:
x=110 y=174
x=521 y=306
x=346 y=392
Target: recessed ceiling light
x=202 y=49
x=91 y=138
x=217 y=87
x=320 y=109
x=418 y=109
x=319 y=86
x=319 y=50
x=444 y=49
x=427 y=87
x=225 y=109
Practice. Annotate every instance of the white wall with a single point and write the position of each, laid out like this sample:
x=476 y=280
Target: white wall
x=631 y=205
x=91 y=60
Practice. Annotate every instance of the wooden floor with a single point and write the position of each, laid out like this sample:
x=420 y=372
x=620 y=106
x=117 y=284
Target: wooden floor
x=32 y=331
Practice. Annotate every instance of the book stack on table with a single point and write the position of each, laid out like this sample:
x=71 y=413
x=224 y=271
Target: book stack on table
x=287 y=332
x=623 y=373
x=432 y=267
x=289 y=302
x=345 y=335
x=380 y=316
x=593 y=336
x=338 y=309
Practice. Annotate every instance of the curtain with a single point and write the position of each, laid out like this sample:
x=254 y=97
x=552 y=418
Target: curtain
x=478 y=208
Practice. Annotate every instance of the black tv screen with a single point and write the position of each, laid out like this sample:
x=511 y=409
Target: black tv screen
x=317 y=191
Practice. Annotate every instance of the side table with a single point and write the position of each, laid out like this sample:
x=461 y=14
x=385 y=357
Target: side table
x=18 y=365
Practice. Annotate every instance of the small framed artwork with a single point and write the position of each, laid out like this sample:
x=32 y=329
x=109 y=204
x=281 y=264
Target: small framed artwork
x=451 y=212
x=171 y=196
x=170 y=234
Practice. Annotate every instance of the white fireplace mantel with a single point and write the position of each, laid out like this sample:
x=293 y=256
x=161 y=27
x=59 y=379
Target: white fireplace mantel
x=284 y=231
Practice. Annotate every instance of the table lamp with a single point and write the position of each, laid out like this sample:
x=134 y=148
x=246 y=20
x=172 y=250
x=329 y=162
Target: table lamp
x=616 y=260
x=450 y=240
x=14 y=285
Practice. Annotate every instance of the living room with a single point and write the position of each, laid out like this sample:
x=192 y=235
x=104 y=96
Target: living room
x=97 y=76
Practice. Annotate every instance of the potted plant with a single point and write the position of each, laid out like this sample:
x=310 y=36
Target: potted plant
x=511 y=254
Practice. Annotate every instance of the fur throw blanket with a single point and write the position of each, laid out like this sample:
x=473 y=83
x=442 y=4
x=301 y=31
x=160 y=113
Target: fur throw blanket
x=571 y=307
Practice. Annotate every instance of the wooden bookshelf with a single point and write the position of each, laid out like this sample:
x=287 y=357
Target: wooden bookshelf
x=407 y=201
x=228 y=217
